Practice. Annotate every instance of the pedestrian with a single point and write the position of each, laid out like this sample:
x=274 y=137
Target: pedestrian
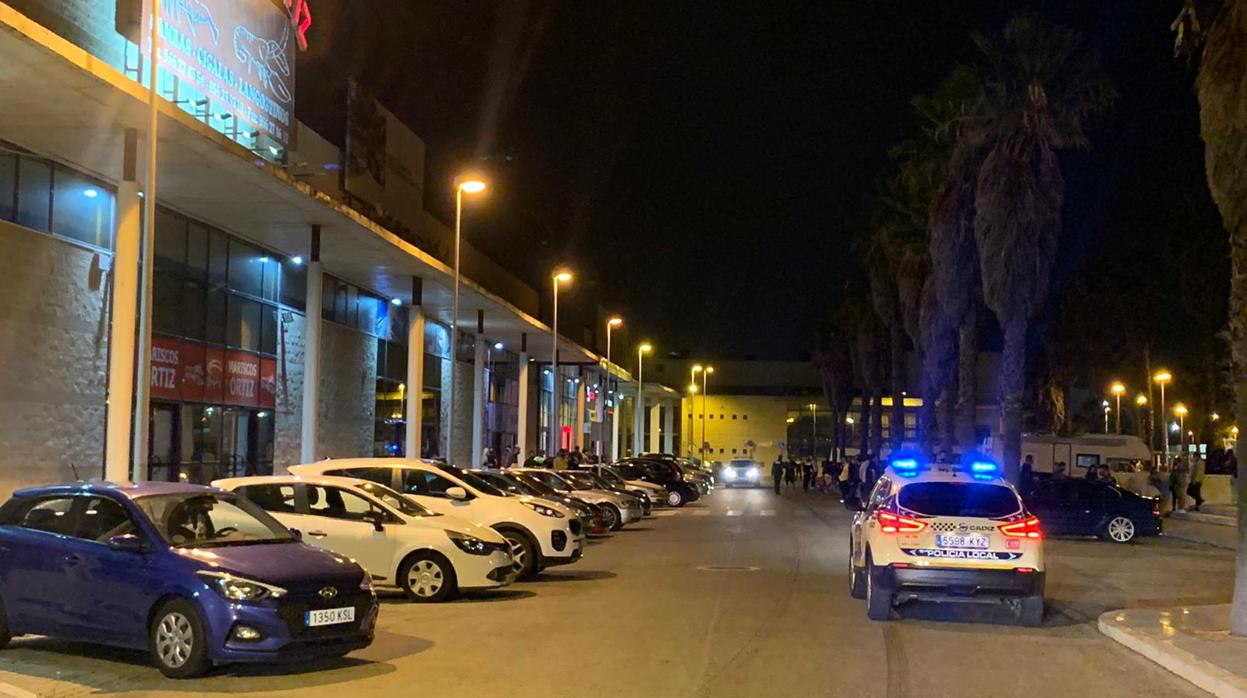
x=1059 y=471
x=534 y=458
x=560 y=460
x=777 y=471
x=1195 y=489
x=1179 y=478
x=1026 y=479
x=1231 y=467
x=790 y=473
x=1104 y=475
x=807 y=474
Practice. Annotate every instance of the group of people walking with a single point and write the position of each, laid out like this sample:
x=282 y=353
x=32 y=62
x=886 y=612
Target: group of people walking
x=848 y=479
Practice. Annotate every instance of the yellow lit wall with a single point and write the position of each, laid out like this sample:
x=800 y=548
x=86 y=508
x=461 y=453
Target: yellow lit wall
x=732 y=421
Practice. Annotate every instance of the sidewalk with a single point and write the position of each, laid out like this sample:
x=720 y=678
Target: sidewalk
x=1213 y=525
x=1193 y=642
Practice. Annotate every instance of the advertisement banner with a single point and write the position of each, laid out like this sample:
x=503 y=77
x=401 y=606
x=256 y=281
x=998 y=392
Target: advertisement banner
x=268 y=383
x=240 y=54
x=185 y=371
x=242 y=379
x=166 y=369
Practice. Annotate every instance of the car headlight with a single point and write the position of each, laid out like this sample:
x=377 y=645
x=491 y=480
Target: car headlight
x=729 y=474
x=233 y=588
x=544 y=510
x=753 y=473
x=468 y=544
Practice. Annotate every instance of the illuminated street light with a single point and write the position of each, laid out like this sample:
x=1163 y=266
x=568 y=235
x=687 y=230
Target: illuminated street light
x=1180 y=410
x=463 y=185
x=638 y=413
x=1141 y=400
x=1162 y=378
x=558 y=278
x=1117 y=388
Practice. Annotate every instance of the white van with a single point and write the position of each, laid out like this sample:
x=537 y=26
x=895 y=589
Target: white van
x=1118 y=451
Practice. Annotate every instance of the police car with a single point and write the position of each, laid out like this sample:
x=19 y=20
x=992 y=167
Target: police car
x=946 y=533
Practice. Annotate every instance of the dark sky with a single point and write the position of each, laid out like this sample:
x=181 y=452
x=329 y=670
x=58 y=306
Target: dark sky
x=700 y=163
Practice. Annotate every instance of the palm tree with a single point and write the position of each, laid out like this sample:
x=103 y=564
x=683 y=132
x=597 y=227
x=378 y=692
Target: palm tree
x=1038 y=90
x=1216 y=33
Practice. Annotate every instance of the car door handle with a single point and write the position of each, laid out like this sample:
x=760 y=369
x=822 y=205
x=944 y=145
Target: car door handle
x=317 y=534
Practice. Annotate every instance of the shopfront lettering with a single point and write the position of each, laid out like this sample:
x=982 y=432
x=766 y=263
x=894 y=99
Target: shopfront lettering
x=186 y=371
x=300 y=19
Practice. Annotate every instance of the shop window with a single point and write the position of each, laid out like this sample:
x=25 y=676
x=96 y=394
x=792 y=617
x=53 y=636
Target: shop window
x=293 y=284
x=243 y=324
x=170 y=249
x=34 y=193
x=270 y=267
x=218 y=258
x=196 y=250
x=433 y=371
x=268 y=329
x=744 y=417
x=246 y=268
x=82 y=210
x=194 y=311
x=733 y=419
x=215 y=325
x=8 y=186
x=166 y=304
x=368 y=314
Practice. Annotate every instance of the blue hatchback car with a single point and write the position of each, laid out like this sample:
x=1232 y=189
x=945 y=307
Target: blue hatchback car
x=195 y=575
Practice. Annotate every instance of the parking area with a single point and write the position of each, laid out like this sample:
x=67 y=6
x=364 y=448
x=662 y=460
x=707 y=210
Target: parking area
x=741 y=594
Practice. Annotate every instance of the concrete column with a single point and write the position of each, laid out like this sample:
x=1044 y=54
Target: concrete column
x=311 y=355
x=638 y=425
x=121 y=336
x=616 y=413
x=414 y=443
x=655 y=426
x=578 y=437
x=521 y=425
x=668 y=428
x=599 y=409
x=478 y=403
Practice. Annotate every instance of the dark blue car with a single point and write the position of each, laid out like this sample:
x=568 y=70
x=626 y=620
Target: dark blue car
x=1078 y=507
x=195 y=575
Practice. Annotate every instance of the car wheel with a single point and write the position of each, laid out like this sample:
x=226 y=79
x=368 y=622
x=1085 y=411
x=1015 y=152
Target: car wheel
x=523 y=553
x=1030 y=611
x=675 y=498
x=857 y=579
x=177 y=640
x=878 y=593
x=611 y=517
x=1119 y=529
x=428 y=578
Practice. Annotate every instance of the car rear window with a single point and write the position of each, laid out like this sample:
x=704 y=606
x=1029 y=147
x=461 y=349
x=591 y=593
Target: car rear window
x=956 y=499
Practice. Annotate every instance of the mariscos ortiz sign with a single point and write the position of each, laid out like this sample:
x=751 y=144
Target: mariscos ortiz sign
x=191 y=372
x=240 y=54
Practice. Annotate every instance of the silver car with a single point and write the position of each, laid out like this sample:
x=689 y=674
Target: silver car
x=618 y=509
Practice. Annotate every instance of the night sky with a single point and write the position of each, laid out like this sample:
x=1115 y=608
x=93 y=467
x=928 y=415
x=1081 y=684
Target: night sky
x=702 y=164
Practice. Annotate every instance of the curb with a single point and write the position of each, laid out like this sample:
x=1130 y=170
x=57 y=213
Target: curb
x=1205 y=675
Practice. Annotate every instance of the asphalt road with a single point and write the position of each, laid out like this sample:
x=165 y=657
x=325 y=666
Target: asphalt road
x=743 y=594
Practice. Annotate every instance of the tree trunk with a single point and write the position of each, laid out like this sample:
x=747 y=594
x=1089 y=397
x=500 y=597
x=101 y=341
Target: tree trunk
x=863 y=423
x=928 y=427
x=896 y=430
x=1151 y=398
x=967 y=377
x=946 y=440
x=1012 y=384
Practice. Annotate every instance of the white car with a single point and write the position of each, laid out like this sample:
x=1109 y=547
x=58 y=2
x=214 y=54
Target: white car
x=540 y=533
x=428 y=555
x=656 y=494
x=946 y=534
x=619 y=509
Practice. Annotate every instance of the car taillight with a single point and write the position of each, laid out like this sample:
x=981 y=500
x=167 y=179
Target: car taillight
x=895 y=523
x=1026 y=528
x=1155 y=510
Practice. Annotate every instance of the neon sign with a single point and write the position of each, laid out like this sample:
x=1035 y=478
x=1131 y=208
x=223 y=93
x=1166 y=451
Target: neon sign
x=300 y=19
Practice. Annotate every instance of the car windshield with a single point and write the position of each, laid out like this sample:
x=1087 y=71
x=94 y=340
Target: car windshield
x=211 y=519
x=611 y=477
x=959 y=499
x=475 y=481
x=539 y=488
x=503 y=482
x=580 y=481
x=742 y=464
x=393 y=499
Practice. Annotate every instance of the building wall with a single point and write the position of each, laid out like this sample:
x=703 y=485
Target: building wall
x=88 y=24
x=288 y=414
x=53 y=358
x=734 y=420
x=348 y=392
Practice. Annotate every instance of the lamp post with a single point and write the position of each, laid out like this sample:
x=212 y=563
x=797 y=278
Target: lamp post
x=614 y=322
x=705 y=390
x=557 y=278
x=1140 y=402
x=1162 y=378
x=1107 y=409
x=638 y=418
x=692 y=377
x=463 y=185
x=1117 y=388
x=692 y=390
x=611 y=324
x=814 y=415
x=1181 y=412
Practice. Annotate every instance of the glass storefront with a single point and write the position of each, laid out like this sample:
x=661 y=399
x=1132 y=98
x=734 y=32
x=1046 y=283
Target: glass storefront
x=392 y=394
x=502 y=401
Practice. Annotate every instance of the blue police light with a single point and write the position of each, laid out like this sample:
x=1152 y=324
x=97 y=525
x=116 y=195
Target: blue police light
x=905 y=464
x=980 y=465
x=983 y=467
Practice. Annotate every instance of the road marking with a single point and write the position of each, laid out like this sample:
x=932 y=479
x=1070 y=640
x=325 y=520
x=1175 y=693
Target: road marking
x=733 y=512
x=897 y=663
x=766 y=512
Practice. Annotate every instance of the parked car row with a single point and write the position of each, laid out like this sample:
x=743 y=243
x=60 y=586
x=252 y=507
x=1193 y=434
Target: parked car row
x=257 y=569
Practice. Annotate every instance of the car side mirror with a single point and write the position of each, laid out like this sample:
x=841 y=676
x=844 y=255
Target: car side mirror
x=128 y=543
x=457 y=493
x=298 y=535
x=376 y=518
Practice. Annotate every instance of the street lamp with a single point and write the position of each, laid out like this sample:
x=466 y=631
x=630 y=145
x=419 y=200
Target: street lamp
x=705 y=391
x=1117 y=388
x=558 y=278
x=1107 y=409
x=814 y=414
x=611 y=324
x=692 y=377
x=692 y=390
x=463 y=185
x=1181 y=411
x=1162 y=378
x=638 y=438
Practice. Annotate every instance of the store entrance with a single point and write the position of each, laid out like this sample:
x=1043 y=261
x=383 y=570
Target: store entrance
x=201 y=443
